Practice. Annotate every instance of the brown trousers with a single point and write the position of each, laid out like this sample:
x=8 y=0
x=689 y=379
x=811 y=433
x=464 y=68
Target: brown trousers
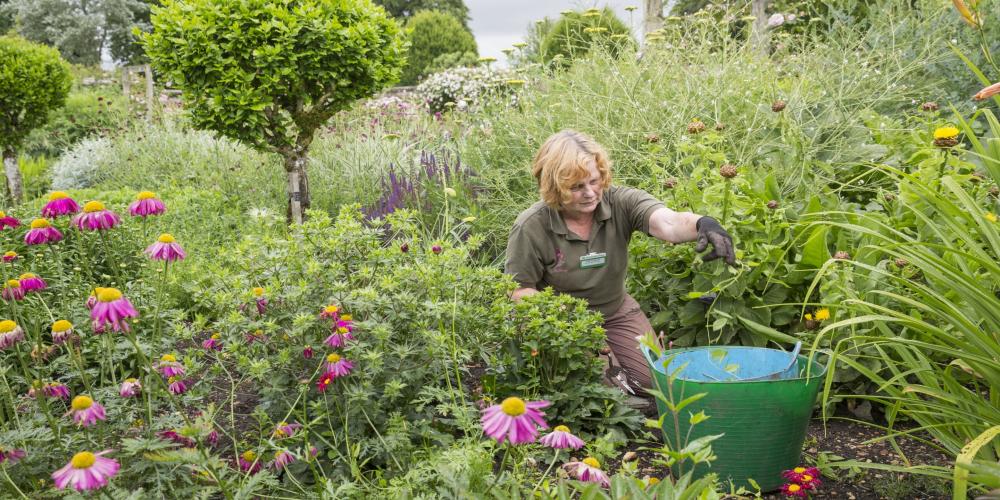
x=623 y=329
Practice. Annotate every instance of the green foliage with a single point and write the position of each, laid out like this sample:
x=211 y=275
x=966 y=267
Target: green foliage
x=404 y=10
x=268 y=74
x=433 y=34
x=551 y=353
x=452 y=60
x=88 y=112
x=575 y=34
x=34 y=80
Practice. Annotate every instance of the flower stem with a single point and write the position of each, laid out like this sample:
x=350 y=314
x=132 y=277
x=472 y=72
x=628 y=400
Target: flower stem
x=547 y=471
x=9 y=480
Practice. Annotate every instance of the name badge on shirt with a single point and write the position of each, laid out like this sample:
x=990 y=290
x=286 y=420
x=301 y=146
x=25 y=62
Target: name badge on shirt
x=592 y=260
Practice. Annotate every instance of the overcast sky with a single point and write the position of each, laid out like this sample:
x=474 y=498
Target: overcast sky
x=499 y=23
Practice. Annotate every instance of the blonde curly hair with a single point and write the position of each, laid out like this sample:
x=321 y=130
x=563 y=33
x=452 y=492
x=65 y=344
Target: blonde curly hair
x=562 y=162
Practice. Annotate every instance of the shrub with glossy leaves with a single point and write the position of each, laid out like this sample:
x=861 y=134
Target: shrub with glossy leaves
x=433 y=34
x=34 y=80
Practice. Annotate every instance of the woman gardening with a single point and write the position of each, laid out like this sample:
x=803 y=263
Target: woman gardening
x=576 y=238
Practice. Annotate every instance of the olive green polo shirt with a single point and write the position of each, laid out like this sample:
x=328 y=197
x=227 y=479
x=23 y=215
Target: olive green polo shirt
x=542 y=251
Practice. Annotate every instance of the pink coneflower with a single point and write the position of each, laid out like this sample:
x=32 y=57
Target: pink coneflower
x=111 y=308
x=307 y=352
x=12 y=291
x=165 y=248
x=324 y=381
x=56 y=390
x=30 y=282
x=86 y=411
x=248 y=462
x=345 y=324
x=798 y=473
x=96 y=217
x=213 y=343
x=42 y=232
x=169 y=366
x=514 y=419
x=589 y=470
x=560 y=438
x=130 y=388
x=11 y=456
x=286 y=430
x=7 y=221
x=9 y=256
x=177 y=385
x=62 y=330
x=10 y=334
x=86 y=471
x=146 y=203
x=329 y=312
x=59 y=204
x=282 y=458
x=337 y=366
x=174 y=437
x=338 y=339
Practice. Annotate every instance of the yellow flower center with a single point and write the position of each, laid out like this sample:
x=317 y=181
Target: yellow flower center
x=806 y=478
x=7 y=326
x=166 y=238
x=39 y=224
x=514 y=407
x=799 y=470
x=258 y=291
x=3 y=214
x=342 y=329
x=331 y=309
x=333 y=358
x=13 y=283
x=792 y=488
x=93 y=206
x=169 y=358
x=561 y=428
x=58 y=195
x=108 y=294
x=145 y=195
x=173 y=379
x=10 y=253
x=249 y=456
x=81 y=403
x=83 y=460
x=216 y=336
x=346 y=317
x=654 y=481
x=131 y=380
x=27 y=276
x=946 y=133
x=61 y=326
x=591 y=461
x=822 y=314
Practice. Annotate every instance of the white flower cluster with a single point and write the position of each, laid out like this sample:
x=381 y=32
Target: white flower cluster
x=465 y=88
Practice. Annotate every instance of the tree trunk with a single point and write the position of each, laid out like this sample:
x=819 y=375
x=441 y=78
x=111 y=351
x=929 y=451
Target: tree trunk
x=298 y=186
x=15 y=186
x=652 y=16
x=759 y=36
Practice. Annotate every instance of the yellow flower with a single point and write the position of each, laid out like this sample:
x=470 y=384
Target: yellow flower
x=822 y=314
x=990 y=216
x=946 y=133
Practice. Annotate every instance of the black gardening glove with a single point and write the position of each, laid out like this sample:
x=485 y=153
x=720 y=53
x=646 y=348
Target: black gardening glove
x=709 y=231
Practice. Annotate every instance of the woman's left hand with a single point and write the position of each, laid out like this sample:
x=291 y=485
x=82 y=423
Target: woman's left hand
x=709 y=231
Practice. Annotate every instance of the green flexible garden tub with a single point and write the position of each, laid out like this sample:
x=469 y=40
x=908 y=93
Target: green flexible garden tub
x=760 y=399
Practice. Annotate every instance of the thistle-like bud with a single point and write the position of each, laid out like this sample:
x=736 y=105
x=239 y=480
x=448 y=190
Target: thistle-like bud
x=773 y=204
x=841 y=255
x=720 y=126
x=696 y=127
x=652 y=138
x=670 y=183
x=994 y=191
x=930 y=106
x=778 y=106
x=728 y=171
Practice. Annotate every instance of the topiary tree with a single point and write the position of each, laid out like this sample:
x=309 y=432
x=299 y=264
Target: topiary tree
x=270 y=72
x=575 y=33
x=433 y=34
x=34 y=80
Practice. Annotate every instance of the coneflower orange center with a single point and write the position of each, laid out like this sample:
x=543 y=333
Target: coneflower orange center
x=108 y=294
x=333 y=358
x=93 y=206
x=169 y=358
x=166 y=238
x=61 y=326
x=513 y=406
x=249 y=456
x=39 y=224
x=3 y=214
x=792 y=488
x=799 y=470
x=7 y=326
x=216 y=336
x=806 y=478
x=331 y=309
x=346 y=317
x=591 y=461
x=83 y=460
x=27 y=276
x=561 y=428
x=58 y=195
x=145 y=195
x=10 y=253
x=81 y=403
x=13 y=283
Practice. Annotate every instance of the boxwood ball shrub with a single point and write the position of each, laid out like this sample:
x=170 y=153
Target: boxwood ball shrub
x=433 y=34
x=269 y=73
